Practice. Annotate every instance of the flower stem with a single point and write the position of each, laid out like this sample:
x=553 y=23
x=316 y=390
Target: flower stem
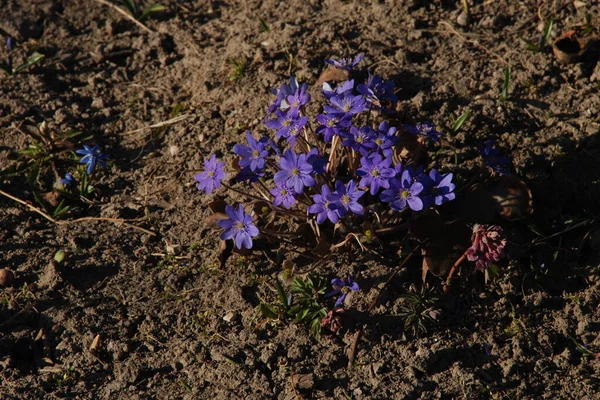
x=455 y=268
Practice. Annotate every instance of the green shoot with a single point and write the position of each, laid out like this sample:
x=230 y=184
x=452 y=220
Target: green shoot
x=459 y=122
x=34 y=59
x=543 y=41
x=504 y=95
x=263 y=26
x=417 y=310
x=142 y=15
x=238 y=68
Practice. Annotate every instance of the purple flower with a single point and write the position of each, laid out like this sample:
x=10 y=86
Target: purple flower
x=211 y=177
x=403 y=193
x=91 y=156
x=493 y=157
x=347 y=104
x=376 y=90
x=426 y=129
x=332 y=125
x=252 y=155
x=341 y=89
x=488 y=245
x=283 y=195
x=10 y=43
x=323 y=207
x=282 y=93
x=318 y=162
x=386 y=139
x=295 y=171
x=297 y=100
x=282 y=123
x=68 y=180
x=339 y=286
x=246 y=174
x=345 y=63
x=439 y=187
x=361 y=140
x=238 y=226
x=345 y=198
x=375 y=173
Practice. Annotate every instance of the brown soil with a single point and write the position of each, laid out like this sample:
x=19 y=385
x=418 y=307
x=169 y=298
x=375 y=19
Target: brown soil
x=181 y=327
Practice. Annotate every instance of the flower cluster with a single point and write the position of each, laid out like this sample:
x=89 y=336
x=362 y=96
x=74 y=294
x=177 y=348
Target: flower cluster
x=488 y=245
x=343 y=163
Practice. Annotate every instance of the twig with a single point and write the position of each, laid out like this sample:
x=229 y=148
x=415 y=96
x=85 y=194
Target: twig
x=126 y=15
x=579 y=225
x=352 y=354
x=454 y=267
x=168 y=122
x=125 y=222
x=473 y=42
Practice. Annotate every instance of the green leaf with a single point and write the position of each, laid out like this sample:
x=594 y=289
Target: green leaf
x=154 y=8
x=131 y=7
x=33 y=177
x=263 y=25
x=547 y=33
x=34 y=59
x=267 y=311
x=282 y=295
x=461 y=120
x=59 y=256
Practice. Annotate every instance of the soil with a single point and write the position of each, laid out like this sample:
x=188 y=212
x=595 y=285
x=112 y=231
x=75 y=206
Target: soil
x=144 y=311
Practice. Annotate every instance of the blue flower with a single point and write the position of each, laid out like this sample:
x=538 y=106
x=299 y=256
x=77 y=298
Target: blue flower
x=211 y=177
x=318 y=162
x=282 y=93
x=347 y=104
x=332 y=125
x=252 y=155
x=323 y=207
x=345 y=63
x=283 y=195
x=426 y=129
x=297 y=100
x=10 y=44
x=345 y=198
x=376 y=90
x=341 y=89
x=238 y=226
x=68 y=180
x=343 y=288
x=386 y=139
x=375 y=172
x=439 y=188
x=493 y=158
x=295 y=171
x=361 y=140
x=91 y=156
x=403 y=193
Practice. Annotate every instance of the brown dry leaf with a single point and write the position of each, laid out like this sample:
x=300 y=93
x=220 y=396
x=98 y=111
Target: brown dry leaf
x=225 y=251
x=210 y=221
x=323 y=248
x=569 y=47
x=217 y=206
x=333 y=74
x=51 y=198
x=95 y=343
x=512 y=197
x=411 y=149
x=441 y=252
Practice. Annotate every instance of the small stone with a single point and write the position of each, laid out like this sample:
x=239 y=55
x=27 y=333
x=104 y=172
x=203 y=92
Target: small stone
x=463 y=19
x=6 y=277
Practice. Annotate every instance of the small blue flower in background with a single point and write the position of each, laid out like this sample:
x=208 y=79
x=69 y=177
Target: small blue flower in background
x=346 y=104
x=238 y=227
x=345 y=63
x=376 y=90
x=340 y=90
x=339 y=286
x=493 y=158
x=254 y=154
x=386 y=139
x=282 y=93
x=68 y=180
x=10 y=44
x=332 y=125
x=426 y=129
x=361 y=140
x=211 y=177
x=91 y=157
